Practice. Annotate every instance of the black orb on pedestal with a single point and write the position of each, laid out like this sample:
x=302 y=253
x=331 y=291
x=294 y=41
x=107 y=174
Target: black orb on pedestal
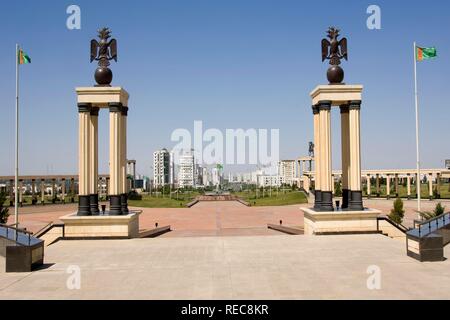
x=335 y=75
x=103 y=76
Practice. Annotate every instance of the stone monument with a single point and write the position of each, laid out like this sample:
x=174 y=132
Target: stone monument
x=352 y=217
x=118 y=221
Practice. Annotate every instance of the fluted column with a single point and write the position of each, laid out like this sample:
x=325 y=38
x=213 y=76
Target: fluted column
x=63 y=190
x=84 y=169
x=123 y=152
x=378 y=185
x=438 y=185
x=325 y=156
x=21 y=193
x=430 y=186
x=388 y=186
x=408 y=186
x=369 y=186
x=93 y=178
x=355 y=201
x=115 y=157
x=396 y=185
x=317 y=188
x=42 y=191
x=345 y=143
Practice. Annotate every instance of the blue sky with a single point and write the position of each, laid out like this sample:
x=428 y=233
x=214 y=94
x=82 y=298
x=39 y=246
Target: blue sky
x=232 y=64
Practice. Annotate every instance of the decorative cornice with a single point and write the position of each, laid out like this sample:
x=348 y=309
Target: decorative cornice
x=84 y=107
x=355 y=105
x=115 y=107
x=324 y=105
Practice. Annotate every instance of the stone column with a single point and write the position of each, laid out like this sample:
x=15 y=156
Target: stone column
x=11 y=193
x=378 y=185
x=33 y=191
x=355 y=201
x=84 y=208
x=93 y=163
x=345 y=142
x=42 y=191
x=325 y=156
x=408 y=185
x=388 y=186
x=63 y=190
x=369 y=186
x=317 y=188
x=396 y=185
x=123 y=153
x=438 y=185
x=430 y=184
x=115 y=158
x=54 y=191
x=72 y=190
x=21 y=193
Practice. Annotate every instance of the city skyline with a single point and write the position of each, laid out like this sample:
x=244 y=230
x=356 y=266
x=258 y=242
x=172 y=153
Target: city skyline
x=245 y=74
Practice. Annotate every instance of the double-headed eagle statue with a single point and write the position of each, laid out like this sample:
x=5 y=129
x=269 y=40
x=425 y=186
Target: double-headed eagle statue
x=334 y=50
x=103 y=51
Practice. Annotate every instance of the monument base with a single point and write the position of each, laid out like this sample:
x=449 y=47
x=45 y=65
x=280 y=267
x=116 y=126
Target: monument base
x=340 y=222
x=101 y=227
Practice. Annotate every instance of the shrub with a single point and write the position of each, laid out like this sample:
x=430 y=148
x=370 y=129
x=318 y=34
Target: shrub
x=438 y=211
x=4 y=212
x=397 y=213
x=133 y=195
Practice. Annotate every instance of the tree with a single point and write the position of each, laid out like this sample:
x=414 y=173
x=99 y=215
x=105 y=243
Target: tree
x=4 y=212
x=397 y=213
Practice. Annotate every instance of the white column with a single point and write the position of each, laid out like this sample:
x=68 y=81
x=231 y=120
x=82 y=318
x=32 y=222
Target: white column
x=317 y=147
x=115 y=157
x=356 y=202
x=345 y=144
x=388 y=186
x=430 y=185
x=84 y=157
x=93 y=178
x=369 y=185
x=408 y=185
x=325 y=156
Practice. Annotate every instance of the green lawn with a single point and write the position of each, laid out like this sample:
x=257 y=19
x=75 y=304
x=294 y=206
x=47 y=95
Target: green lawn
x=166 y=202
x=280 y=199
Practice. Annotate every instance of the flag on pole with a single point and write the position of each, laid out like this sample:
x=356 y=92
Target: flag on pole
x=23 y=57
x=426 y=53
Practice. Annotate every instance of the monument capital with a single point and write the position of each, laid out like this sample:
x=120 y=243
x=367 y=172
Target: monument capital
x=337 y=94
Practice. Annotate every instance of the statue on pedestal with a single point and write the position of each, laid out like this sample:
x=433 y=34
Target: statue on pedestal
x=334 y=50
x=103 y=51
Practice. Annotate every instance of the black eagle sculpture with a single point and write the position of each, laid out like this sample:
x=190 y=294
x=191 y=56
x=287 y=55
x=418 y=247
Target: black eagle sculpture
x=334 y=50
x=103 y=51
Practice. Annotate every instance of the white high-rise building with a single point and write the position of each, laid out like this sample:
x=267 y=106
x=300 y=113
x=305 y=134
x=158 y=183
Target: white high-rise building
x=163 y=168
x=186 y=174
x=287 y=169
x=217 y=177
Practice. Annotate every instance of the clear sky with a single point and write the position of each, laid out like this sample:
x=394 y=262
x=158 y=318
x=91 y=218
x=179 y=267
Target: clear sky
x=232 y=64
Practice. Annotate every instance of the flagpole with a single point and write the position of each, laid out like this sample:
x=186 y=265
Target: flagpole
x=16 y=204
x=417 y=130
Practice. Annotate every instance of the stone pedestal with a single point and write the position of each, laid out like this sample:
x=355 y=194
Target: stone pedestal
x=103 y=227
x=340 y=222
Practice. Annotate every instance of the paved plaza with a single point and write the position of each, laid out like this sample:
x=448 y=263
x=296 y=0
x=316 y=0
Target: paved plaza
x=215 y=218
x=258 y=267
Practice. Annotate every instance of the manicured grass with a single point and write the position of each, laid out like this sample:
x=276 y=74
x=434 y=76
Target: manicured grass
x=280 y=199
x=160 y=202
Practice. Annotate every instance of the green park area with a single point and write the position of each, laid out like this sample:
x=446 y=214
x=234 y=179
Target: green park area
x=274 y=197
x=175 y=200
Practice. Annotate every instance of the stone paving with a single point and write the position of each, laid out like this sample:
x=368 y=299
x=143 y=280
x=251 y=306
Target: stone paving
x=257 y=267
x=214 y=218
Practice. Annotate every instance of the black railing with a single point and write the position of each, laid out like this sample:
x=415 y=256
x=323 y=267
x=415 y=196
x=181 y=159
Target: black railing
x=399 y=226
x=20 y=236
x=425 y=228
